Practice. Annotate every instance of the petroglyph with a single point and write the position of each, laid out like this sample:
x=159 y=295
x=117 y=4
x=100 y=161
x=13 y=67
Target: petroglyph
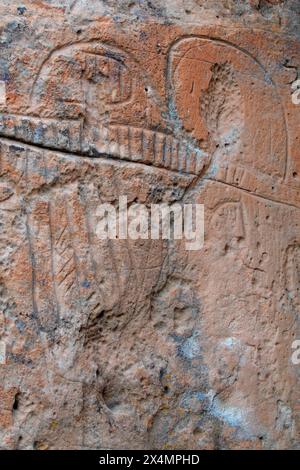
x=140 y=343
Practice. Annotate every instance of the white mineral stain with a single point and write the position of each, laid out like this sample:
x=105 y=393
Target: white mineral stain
x=2 y=93
x=231 y=415
x=191 y=348
x=230 y=342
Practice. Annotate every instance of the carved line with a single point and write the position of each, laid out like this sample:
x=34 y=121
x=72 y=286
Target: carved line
x=118 y=135
x=251 y=193
x=100 y=43
x=133 y=278
x=31 y=252
x=59 y=50
x=52 y=249
x=121 y=83
x=224 y=42
x=113 y=260
x=91 y=250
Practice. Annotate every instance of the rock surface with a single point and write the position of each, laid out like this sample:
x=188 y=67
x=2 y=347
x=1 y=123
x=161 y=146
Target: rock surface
x=143 y=344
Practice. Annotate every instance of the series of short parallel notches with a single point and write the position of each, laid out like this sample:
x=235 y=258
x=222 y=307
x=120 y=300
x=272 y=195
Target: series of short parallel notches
x=152 y=148
x=48 y=133
x=127 y=143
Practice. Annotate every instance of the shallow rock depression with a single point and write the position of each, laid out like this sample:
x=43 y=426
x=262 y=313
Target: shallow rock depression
x=124 y=343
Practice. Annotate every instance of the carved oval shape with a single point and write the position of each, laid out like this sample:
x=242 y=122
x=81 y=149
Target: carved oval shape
x=224 y=98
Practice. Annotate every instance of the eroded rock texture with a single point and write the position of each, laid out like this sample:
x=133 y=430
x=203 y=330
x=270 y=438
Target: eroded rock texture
x=143 y=344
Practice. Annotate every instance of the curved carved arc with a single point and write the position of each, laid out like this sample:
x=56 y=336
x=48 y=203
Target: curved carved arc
x=95 y=46
x=83 y=66
x=196 y=66
x=111 y=132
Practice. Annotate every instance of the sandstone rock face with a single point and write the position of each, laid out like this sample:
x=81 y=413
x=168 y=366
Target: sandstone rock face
x=139 y=344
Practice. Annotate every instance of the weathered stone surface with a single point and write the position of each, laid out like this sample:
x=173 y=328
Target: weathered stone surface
x=142 y=344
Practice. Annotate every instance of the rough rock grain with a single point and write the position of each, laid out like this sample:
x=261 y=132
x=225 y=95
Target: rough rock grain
x=143 y=344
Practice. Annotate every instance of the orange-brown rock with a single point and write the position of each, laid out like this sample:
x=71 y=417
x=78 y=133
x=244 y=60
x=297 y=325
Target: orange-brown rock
x=139 y=344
